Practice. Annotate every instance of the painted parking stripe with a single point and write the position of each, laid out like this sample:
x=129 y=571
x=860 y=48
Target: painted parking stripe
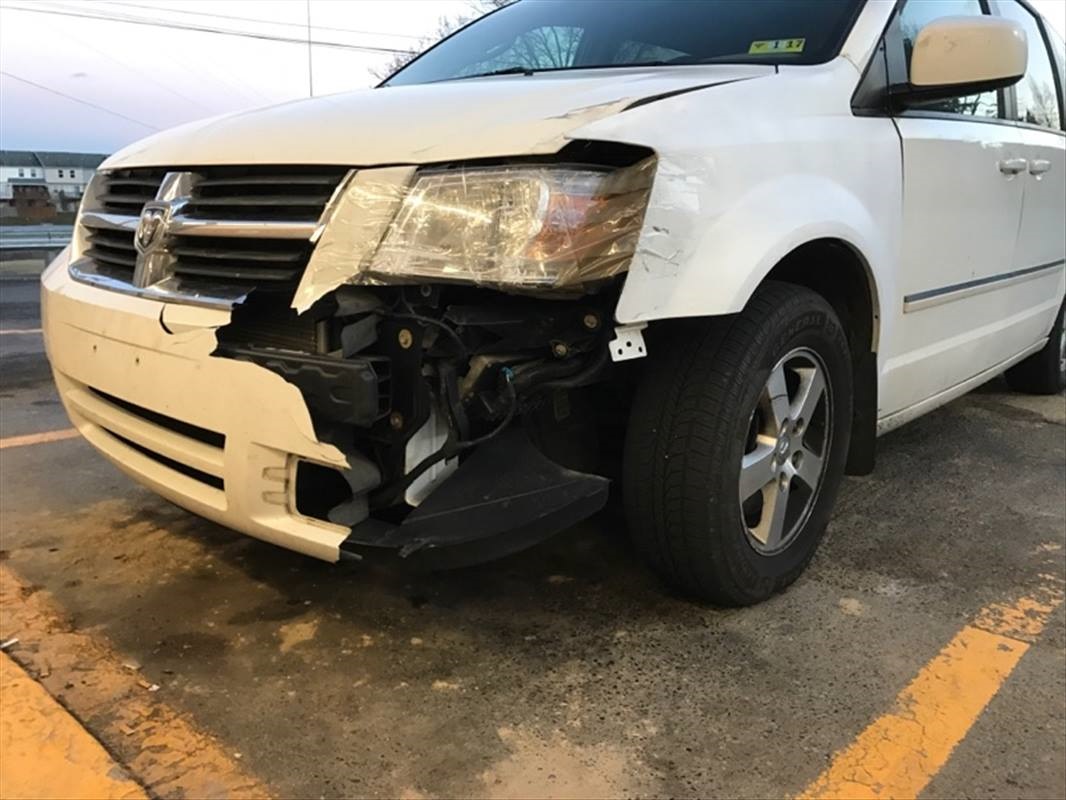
x=900 y=752
x=47 y=753
x=160 y=747
x=20 y=331
x=38 y=438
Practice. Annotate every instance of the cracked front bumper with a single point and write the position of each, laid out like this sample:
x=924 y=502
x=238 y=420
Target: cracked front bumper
x=217 y=436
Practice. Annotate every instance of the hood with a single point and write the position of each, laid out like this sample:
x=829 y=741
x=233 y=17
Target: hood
x=448 y=121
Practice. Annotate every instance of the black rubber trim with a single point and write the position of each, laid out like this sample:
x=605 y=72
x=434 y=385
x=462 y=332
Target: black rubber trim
x=958 y=287
x=643 y=101
x=208 y=437
x=166 y=461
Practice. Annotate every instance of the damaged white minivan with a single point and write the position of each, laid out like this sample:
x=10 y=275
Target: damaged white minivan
x=702 y=252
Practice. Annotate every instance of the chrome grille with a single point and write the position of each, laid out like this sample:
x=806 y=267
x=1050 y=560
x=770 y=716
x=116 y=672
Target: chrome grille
x=125 y=191
x=113 y=252
x=234 y=229
x=264 y=261
x=263 y=193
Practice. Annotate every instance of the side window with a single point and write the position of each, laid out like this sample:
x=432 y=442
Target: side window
x=540 y=48
x=916 y=15
x=1038 y=102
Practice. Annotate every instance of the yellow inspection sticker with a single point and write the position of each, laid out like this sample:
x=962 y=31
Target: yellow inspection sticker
x=771 y=46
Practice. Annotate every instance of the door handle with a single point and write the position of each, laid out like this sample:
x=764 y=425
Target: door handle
x=1012 y=166
x=1039 y=166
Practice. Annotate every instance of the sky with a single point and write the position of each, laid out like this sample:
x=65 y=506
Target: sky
x=132 y=78
x=144 y=78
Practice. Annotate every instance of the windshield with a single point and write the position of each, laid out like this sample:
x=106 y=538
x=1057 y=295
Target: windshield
x=540 y=35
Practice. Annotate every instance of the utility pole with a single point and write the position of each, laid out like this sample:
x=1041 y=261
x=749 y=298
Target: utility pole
x=310 y=67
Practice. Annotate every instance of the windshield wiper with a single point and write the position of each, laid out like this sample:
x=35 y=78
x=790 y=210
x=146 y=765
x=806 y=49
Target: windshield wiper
x=515 y=70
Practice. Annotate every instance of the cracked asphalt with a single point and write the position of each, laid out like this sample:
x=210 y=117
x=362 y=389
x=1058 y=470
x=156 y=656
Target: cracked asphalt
x=566 y=670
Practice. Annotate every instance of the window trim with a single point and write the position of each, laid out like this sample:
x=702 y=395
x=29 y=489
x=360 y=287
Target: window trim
x=1041 y=25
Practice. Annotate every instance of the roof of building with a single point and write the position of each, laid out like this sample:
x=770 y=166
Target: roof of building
x=28 y=158
x=84 y=160
x=18 y=158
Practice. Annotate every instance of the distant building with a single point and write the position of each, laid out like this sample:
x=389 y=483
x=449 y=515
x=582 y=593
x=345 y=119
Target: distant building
x=38 y=185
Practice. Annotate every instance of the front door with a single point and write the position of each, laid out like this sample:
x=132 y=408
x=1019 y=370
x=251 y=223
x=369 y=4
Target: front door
x=964 y=176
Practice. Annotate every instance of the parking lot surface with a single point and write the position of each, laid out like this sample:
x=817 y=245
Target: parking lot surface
x=564 y=671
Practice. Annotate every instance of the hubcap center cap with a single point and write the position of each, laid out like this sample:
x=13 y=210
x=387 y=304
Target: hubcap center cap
x=784 y=446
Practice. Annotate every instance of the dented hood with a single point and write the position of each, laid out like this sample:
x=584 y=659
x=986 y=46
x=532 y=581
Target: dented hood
x=452 y=120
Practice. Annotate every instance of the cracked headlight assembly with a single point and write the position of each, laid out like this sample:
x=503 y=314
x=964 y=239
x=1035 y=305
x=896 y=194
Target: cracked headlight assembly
x=537 y=227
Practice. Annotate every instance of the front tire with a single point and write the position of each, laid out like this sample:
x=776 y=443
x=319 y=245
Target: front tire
x=1044 y=372
x=736 y=445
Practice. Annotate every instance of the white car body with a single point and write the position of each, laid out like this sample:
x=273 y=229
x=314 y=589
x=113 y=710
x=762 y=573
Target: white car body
x=964 y=264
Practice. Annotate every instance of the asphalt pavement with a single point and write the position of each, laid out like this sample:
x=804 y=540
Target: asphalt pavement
x=567 y=670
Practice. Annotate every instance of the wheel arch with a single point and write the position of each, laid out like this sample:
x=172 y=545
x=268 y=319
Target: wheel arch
x=837 y=271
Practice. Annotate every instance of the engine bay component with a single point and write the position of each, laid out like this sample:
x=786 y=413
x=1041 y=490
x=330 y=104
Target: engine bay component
x=444 y=398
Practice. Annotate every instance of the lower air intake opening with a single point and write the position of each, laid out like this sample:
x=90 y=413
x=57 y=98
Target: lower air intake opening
x=319 y=490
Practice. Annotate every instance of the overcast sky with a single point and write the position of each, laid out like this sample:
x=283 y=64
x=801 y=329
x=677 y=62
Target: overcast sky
x=141 y=78
x=163 y=76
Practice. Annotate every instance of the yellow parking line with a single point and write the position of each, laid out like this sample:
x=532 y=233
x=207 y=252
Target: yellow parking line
x=900 y=752
x=19 y=331
x=47 y=754
x=167 y=753
x=38 y=438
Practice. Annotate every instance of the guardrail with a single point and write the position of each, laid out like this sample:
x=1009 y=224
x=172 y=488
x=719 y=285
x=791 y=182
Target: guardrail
x=36 y=240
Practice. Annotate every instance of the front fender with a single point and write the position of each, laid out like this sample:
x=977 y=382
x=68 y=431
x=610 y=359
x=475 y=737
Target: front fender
x=699 y=256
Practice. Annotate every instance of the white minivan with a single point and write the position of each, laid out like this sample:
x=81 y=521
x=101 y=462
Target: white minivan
x=703 y=252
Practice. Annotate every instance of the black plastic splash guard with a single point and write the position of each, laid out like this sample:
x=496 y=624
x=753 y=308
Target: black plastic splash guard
x=506 y=496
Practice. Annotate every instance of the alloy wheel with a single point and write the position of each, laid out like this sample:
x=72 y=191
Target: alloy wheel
x=784 y=460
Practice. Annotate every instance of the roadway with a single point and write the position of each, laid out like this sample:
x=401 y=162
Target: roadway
x=922 y=652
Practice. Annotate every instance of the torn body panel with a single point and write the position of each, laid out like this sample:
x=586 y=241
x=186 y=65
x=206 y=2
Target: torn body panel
x=238 y=416
x=166 y=378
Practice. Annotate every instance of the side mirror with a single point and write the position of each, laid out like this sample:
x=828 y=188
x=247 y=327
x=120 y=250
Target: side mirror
x=957 y=56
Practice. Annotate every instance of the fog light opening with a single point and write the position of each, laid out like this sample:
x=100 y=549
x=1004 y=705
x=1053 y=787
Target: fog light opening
x=319 y=490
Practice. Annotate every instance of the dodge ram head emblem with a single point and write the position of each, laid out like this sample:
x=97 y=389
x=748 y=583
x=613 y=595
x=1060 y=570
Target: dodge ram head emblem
x=152 y=226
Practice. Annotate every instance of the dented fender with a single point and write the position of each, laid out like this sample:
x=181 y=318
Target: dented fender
x=741 y=184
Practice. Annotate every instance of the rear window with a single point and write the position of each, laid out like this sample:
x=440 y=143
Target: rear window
x=548 y=35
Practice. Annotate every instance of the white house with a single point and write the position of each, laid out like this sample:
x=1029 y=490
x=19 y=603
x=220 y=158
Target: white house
x=62 y=176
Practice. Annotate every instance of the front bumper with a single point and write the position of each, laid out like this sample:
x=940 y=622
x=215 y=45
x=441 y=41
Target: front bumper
x=222 y=437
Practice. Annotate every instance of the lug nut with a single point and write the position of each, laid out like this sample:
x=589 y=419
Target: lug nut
x=592 y=322
x=405 y=338
x=396 y=420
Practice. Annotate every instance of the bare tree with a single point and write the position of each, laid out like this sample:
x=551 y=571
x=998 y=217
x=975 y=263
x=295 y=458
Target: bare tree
x=445 y=26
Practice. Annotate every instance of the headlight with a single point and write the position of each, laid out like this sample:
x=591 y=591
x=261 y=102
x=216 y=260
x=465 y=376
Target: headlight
x=534 y=227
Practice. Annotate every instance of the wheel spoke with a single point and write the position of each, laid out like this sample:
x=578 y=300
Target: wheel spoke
x=756 y=468
x=771 y=527
x=811 y=389
x=809 y=468
x=777 y=393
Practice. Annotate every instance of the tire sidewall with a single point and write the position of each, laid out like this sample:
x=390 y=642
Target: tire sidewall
x=808 y=323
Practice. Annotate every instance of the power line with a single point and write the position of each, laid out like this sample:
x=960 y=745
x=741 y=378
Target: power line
x=257 y=20
x=200 y=29
x=140 y=70
x=231 y=80
x=310 y=65
x=50 y=90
